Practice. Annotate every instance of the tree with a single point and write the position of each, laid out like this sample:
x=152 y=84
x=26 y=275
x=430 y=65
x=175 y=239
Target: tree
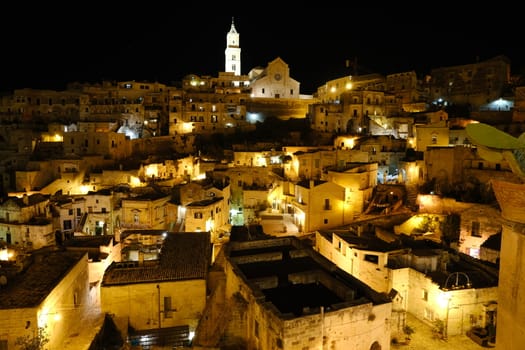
x=37 y=341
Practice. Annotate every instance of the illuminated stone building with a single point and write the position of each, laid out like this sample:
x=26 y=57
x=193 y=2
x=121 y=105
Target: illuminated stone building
x=320 y=204
x=474 y=84
x=359 y=181
x=51 y=296
x=145 y=210
x=158 y=296
x=354 y=112
x=422 y=276
x=279 y=293
x=26 y=221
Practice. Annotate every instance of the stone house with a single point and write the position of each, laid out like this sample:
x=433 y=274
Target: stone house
x=50 y=296
x=318 y=205
x=424 y=278
x=27 y=221
x=160 y=300
x=279 y=293
x=145 y=210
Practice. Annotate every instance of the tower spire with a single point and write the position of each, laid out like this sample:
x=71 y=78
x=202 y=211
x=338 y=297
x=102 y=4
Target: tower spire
x=233 y=51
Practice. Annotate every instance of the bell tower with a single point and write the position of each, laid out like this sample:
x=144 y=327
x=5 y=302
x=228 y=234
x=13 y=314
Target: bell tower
x=233 y=51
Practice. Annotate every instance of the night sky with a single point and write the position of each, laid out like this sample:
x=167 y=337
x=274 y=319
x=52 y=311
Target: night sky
x=49 y=46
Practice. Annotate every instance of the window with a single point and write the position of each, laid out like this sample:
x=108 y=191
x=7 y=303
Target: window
x=424 y=294
x=327 y=205
x=429 y=314
x=168 y=310
x=372 y=258
x=135 y=218
x=256 y=329
x=67 y=225
x=475 y=231
x=70 y=212
x=79 y=212
x=197 y=215
x=3 y=344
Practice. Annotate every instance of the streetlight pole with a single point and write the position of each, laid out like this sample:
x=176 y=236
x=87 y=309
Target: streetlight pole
x=158 y=289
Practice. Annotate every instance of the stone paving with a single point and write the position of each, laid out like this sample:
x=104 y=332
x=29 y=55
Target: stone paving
x=424 y=339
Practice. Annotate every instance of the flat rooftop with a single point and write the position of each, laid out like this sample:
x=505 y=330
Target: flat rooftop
x=296 y=279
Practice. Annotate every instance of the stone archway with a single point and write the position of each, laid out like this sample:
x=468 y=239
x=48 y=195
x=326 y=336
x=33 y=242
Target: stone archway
x=375 y=346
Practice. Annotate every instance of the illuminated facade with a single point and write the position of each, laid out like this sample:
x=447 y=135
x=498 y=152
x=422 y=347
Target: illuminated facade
x=51 y=297
x=145 y=211
x=320 y=204
x=26 y=221
x=232 y=53
x=473 y=84
x=148 y=299
x=421 y=279
x=267 y=307
x=354 y=112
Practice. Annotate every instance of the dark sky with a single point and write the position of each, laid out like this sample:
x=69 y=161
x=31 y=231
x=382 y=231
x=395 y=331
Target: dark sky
x=47 y=47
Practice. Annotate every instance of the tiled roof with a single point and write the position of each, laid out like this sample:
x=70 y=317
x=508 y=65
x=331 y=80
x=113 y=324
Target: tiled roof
x=184 y=256
x=30 y=287
x=205 y=202
x=89 y=241
x=493 y=242
x=31 y=199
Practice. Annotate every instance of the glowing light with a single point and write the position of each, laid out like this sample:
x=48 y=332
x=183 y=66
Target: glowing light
x=210 y=225
x=261 y=161
x=187 y=128
x=254 y=117
x=443 y=300
x=151 y=171
x=6 y=254
x=134 y=181
x=200 y=177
